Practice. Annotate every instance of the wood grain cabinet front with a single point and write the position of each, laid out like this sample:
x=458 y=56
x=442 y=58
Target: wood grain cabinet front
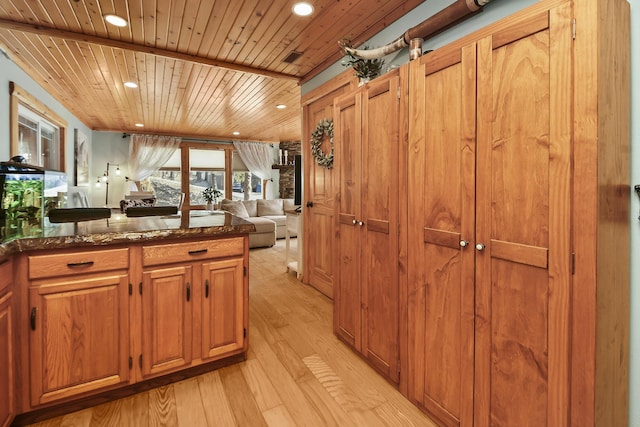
x=194 y=301
x=7 y=365
x=79 y=335
x=78 y=316
x=366 y=285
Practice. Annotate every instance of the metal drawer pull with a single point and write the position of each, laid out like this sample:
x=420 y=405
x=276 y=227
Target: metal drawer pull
x=32 y=319
x=80 y=264
x=199 y=251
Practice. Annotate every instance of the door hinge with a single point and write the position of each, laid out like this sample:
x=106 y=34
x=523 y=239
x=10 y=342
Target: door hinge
x=573 y=263
x=140 y=288
x=130 y=362
x=573 y=29
x=398 y=92
x=244 y=332
x=140 y=361
x=244 y=270
x=130 y=289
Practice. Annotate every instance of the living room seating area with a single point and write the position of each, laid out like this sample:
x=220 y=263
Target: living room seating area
x=268 y=216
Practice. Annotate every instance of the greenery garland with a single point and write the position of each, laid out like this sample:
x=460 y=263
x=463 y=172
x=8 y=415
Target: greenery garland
x=324 y=128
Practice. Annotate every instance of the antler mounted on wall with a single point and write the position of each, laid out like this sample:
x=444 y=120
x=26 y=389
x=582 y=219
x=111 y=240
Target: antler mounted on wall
x=447 y=17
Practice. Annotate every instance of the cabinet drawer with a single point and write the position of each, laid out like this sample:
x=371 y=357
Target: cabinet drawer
x=41 y=266
x=192 y=251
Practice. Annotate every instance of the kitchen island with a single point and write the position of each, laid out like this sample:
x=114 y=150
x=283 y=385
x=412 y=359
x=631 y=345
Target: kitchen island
x=95 y=310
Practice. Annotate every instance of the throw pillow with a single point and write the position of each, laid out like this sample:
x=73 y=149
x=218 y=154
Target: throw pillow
x=235 y=208
x=270 y=207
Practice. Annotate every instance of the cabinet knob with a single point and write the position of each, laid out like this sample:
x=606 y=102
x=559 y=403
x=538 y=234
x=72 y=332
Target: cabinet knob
x=480 y=247
x=361 y=223
x=463 y=243
x=355 y=221
x=309 y=204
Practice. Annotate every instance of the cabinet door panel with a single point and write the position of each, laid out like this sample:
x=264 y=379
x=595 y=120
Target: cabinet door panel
x=79 y=338
x=347 y=295
x=523 y=275
x=441 y=215
x=166 y=319
x=223 y=307
x=7 y=384
x=379 y=189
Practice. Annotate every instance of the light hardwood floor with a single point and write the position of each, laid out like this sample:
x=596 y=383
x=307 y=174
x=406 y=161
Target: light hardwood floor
x=296 y=373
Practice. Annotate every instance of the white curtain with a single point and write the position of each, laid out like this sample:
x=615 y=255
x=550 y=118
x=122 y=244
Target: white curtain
x=257 y=156
x=148 y=153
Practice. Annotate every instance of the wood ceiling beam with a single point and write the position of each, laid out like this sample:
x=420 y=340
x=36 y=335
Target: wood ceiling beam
x=87 y=38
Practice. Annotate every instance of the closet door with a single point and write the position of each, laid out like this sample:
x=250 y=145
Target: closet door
x=522 y=223
x=441 y=233
x=379 y=188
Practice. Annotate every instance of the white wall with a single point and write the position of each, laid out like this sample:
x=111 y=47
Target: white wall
x=491 y=13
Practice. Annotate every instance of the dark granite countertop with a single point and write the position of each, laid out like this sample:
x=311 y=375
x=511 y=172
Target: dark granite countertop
x=25 y=236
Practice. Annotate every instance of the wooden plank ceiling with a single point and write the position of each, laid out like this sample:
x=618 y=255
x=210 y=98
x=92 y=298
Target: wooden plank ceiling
x=205 y=68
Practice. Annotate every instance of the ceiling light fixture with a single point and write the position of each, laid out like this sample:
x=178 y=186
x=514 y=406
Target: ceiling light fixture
x=132 y=85
x=236 y=133
x=281 y=106
x=303 y=9
x=140 y=125
x=115 y=20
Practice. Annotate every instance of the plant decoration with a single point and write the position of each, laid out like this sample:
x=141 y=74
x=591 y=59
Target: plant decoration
x=364 y=69
x=324 y=128
x=211 y=194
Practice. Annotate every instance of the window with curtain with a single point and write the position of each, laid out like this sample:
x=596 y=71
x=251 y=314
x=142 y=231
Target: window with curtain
x=38 y=134
x=246 y=185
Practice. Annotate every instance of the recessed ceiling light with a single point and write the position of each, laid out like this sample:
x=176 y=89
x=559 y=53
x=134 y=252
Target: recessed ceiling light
x=281 y=106
x=115 y=20
x=303 y=9
x=140 y=125
x=236 y=133
x=132 y=85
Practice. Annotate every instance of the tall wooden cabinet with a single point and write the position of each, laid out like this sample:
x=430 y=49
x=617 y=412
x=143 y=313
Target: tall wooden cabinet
x=506 y=298
x=492 y=159
x=366 y=293
x=498 y=156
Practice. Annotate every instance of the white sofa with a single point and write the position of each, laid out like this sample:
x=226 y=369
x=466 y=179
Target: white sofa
x=268 y=216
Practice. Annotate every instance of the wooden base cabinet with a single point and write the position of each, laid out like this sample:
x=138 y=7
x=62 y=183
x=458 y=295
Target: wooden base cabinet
x=78 y=323
x=490 y=224
x=366 y=292
x=194 y=299
x=7 y=347
x=101 y=319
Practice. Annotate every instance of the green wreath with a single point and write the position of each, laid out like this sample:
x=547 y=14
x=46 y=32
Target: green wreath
x=324 y=128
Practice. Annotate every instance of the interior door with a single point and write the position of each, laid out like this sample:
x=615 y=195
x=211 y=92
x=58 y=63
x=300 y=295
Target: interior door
x=442 y=231
x=318 y=207
x=523 y=230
